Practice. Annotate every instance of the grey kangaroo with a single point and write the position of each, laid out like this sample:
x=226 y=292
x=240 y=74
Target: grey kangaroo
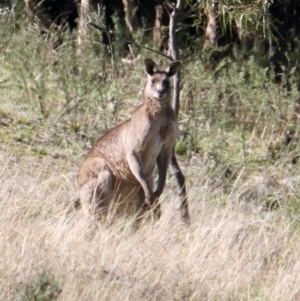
x=117 y=174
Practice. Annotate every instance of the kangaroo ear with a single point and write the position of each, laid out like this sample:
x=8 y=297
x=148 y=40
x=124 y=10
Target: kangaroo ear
x=172 y=69
x=150 y=66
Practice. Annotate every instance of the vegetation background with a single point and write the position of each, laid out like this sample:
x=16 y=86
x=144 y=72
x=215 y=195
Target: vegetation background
x=238 y=149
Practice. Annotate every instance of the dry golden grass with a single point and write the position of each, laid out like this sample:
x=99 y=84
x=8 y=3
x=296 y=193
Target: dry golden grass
x=233 y=251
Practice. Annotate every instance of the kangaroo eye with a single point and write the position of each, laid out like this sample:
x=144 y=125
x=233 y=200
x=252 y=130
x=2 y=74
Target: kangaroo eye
x=153 y=81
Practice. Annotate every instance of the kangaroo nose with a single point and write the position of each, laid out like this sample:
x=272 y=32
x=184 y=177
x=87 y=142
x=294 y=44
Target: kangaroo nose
x=161 y=92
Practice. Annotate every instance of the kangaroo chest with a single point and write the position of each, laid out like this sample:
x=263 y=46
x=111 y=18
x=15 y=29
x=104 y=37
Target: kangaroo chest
x=159 y=136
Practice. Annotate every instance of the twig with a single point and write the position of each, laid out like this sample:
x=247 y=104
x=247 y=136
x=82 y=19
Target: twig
x=130 y=42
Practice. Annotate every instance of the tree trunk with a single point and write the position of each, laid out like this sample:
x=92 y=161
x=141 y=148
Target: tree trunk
x=82 y=28
x=157 y=34
x=211 y=32
x=130 y=15
x=184 y=210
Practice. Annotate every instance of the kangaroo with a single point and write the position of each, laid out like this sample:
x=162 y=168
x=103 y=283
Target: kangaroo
x=118 y=171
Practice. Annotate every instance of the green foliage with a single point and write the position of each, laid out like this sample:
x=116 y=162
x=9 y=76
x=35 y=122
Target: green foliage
x=245 y=15
x=3 y=113
x=43 y=288
x=180 y=148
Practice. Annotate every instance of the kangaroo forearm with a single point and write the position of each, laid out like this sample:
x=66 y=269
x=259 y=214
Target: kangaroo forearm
x=136 y=168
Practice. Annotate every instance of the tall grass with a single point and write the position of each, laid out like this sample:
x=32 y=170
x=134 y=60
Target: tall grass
x=242 y=177
x=233 y=251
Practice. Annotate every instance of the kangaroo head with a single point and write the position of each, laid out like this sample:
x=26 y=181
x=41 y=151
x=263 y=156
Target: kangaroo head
x=158 y=82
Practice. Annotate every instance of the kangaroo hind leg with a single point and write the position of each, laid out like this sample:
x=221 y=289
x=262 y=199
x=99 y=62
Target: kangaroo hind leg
x=96 y=187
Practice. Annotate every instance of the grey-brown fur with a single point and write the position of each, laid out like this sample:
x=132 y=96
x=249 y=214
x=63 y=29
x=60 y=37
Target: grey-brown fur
x=117 y=174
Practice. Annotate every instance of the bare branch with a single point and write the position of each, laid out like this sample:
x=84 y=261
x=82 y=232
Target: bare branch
x=130 y=42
